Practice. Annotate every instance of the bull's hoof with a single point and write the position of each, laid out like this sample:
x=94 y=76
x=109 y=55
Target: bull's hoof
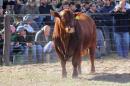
x=74 y=76
x=64 y=76
x=79 y=72
x=92 y=72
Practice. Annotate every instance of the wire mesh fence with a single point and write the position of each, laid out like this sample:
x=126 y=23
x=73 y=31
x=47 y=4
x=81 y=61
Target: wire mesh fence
x=28 y=49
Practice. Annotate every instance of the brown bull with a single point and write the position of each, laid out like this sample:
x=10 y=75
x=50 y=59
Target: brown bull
x=73 y=34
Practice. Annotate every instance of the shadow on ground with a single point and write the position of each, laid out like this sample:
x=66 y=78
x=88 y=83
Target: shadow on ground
x=118 y=78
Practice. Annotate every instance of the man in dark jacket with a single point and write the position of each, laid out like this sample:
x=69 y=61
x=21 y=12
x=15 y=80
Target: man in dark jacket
x=107 y=23
x=45 y=8
x=122 y=27
x=100 y=38
x=18 y=6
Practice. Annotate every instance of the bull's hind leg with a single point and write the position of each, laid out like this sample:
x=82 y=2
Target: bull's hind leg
x=92 y=58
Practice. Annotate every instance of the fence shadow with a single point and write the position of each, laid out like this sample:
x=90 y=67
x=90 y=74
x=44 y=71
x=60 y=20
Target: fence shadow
x=118 y=78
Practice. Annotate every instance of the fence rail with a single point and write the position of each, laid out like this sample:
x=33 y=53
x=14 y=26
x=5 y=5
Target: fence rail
x=107 y=31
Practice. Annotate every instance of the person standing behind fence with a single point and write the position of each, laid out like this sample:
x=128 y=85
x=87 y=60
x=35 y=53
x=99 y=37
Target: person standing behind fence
x=65 y=5
x=100 y=38
x=44 y=9
x=18 y=6
x=122 y=27
x=54 y=4
x=99 y=4
x=85 y=6
x=30 y=8
x=72 y=6
x=107 y=25
x=43 y=43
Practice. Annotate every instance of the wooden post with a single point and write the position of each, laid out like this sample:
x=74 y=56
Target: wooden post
x=7 y=35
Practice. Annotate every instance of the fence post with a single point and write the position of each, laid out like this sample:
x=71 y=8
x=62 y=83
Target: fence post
x=7 y=35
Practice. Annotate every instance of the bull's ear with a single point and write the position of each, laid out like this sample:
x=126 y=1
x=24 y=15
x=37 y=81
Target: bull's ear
x=55 y=14
x=76 y=15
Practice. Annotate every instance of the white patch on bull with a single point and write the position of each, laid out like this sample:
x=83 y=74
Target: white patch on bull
x=69 y=30
x=61 y=13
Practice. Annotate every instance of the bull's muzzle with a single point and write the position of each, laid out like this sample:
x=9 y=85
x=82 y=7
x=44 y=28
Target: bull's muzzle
x=69 y=29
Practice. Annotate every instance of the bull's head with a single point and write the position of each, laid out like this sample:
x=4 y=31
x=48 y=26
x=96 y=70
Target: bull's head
x=66 y=20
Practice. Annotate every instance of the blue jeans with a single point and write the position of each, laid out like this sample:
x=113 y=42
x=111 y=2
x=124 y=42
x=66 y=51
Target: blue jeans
x=51 y=55
x=106 y=32
x=49 y=51
x=18 y=57
x=100 y=44
x=100 y=38
x=122 y=43
x=30 y=54
x=39 y=53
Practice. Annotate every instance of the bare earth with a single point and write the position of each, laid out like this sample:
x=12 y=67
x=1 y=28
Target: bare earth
x=109 y=72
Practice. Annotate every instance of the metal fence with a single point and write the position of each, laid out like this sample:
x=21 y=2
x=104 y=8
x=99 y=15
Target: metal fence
x=105 y=38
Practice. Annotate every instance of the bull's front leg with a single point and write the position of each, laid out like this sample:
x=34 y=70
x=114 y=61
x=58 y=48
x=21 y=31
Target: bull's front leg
x=75 y=72
x=63 y=62
x=64 y=72
x=76 y=64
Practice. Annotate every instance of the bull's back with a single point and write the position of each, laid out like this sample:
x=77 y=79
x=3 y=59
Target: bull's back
x=88 y=30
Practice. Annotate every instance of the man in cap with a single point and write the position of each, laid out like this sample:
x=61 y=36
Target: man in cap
x=31 y=25
x=25 y=41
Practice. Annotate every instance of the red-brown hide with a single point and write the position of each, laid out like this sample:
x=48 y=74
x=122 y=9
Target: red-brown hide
x=74 y=33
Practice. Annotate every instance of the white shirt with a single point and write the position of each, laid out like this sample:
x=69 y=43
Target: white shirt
x=127 y=6
x=29 y=28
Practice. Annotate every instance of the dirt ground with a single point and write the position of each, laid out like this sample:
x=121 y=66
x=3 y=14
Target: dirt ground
x=109 y=72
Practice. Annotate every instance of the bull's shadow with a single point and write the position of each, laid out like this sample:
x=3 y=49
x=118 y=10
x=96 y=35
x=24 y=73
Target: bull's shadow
x=118 y=78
